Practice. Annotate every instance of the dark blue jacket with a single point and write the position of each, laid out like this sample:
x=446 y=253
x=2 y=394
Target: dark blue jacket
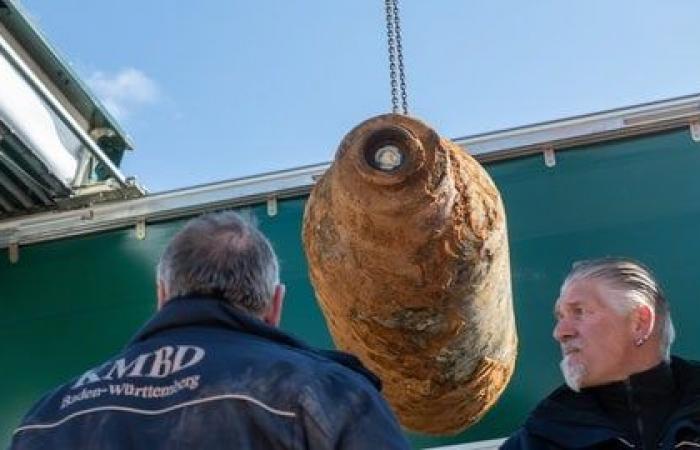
x=201 y=374
x=568 y=420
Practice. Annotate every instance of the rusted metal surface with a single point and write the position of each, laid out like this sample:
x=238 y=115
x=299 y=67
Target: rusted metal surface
x=406 y=241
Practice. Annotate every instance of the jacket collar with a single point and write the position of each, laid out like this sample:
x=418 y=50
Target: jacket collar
x=576 y=420
x=572 y=420
x=652 y=388
x=212 y=312
x=687 y=375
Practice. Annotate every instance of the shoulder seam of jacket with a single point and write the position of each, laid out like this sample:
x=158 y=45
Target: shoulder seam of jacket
x=153 y=412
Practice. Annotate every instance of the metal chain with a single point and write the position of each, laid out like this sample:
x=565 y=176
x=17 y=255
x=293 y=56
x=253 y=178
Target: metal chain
x=399 y=54
x=393 y=32
x=392 y=55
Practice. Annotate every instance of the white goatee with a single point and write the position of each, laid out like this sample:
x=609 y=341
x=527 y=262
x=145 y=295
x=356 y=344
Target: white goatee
x=573 y=372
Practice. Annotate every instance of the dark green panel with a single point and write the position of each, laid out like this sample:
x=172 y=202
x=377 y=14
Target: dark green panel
x=66 y=306
x=71 y=303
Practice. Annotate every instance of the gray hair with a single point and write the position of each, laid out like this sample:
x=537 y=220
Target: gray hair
x=221 y=255
x=637 y=285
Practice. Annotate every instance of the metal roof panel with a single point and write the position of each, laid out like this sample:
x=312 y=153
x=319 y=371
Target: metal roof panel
x=58 y=71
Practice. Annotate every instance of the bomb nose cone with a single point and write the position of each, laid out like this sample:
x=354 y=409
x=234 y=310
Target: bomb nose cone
x=387 y=149
x=388 y=154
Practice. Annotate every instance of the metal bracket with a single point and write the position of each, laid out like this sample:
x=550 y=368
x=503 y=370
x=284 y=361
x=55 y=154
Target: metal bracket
x=141 y=229
x=272 y=206
x=13 y=252
x=695 y=130
x=550 y=159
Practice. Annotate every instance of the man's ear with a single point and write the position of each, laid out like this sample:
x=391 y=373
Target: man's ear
x=274 y=314
x=162 y=293
x=643 y=322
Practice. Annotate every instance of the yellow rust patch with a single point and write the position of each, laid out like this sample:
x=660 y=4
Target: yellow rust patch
x=472 y=399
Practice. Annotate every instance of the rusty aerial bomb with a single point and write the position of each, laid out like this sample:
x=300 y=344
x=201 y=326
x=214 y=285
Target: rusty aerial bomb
x=405 y=236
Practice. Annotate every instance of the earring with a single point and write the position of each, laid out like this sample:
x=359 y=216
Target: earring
x=639 y=341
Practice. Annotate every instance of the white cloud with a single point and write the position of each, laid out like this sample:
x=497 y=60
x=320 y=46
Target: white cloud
x=125 y=91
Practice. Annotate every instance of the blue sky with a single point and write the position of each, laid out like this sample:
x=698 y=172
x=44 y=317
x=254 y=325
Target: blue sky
x=215 y=89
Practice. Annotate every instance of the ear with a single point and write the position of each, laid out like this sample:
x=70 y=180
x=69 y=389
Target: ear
x=643 y=322
x=274 y=314
x=162 y=293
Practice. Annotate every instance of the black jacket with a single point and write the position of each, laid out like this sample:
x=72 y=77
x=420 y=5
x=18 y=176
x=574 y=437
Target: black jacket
x=567 y=420
x=201 y=374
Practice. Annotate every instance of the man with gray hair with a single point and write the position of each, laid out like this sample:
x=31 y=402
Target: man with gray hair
x=623 y=389
x=211 y=370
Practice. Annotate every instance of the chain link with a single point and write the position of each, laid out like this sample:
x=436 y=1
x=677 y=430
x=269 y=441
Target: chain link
x=393 y=32
x=392 y=55
x=399 y=54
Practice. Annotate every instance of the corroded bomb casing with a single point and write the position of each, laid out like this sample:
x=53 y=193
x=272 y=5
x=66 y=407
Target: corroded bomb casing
x=405 y=236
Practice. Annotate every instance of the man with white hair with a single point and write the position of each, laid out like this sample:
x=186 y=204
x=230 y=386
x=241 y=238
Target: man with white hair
x=623 y=389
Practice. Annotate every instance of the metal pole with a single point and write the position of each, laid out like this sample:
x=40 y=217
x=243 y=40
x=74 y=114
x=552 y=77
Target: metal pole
x=59 y=110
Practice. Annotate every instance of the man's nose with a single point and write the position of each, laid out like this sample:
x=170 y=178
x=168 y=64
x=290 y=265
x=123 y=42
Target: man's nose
x=563 y=330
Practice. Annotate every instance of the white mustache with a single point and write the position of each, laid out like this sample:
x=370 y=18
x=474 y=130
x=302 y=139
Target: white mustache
x=569 y=348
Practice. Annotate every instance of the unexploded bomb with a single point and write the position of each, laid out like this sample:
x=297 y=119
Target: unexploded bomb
x=406 y=241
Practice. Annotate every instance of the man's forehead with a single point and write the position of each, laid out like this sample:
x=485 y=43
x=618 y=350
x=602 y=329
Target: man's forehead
x=583 y=292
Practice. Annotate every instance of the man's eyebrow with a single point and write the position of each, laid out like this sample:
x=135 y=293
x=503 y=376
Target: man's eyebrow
x=570 y=304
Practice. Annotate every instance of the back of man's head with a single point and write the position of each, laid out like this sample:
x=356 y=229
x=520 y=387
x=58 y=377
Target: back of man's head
x=220 y=255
